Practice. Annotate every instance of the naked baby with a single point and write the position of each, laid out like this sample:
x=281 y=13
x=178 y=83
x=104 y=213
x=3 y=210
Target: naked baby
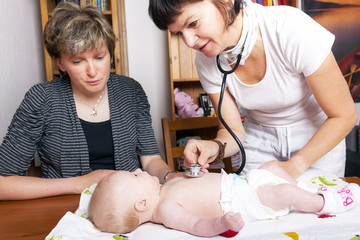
x=209 y=205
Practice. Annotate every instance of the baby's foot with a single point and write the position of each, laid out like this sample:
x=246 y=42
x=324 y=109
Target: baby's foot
x=342 y=200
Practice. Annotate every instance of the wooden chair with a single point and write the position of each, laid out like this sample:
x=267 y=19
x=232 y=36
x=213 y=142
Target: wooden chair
x=206 y=127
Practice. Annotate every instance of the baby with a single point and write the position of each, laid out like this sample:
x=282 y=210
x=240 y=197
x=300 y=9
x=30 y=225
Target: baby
x=209 y=205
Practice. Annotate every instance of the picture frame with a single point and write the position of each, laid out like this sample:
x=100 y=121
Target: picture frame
x=341 y=17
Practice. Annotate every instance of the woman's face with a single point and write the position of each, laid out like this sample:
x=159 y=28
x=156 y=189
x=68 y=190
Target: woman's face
x=202 y=27
x=89 y=71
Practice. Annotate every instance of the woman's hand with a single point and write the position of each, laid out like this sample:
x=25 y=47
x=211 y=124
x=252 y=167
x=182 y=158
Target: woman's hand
x=200 y=151
x=93 y=177
x=288 y=166
x=280 y=169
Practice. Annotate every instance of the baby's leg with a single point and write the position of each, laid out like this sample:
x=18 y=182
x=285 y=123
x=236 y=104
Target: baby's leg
x=285 y=195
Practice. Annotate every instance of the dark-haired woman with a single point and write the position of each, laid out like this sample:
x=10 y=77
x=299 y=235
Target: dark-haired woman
x=297 y=105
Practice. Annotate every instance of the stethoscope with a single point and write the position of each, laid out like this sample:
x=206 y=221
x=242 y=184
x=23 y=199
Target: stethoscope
x=195 y=168
x=223 y=85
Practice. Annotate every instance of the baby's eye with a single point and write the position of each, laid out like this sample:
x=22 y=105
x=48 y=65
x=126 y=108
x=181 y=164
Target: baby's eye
x=99 y=58
x=76 y=62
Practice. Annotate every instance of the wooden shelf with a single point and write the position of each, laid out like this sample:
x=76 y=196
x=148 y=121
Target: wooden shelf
x=186 y=80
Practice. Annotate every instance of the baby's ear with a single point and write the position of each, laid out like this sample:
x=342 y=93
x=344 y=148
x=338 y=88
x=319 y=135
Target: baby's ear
x=142 y=205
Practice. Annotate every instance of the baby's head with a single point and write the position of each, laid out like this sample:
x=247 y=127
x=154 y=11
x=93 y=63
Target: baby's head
x=120 y=200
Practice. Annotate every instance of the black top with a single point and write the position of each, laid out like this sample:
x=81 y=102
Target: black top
x=99 y=140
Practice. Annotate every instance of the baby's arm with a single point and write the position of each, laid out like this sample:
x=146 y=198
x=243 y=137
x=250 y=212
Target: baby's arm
x=174 y=216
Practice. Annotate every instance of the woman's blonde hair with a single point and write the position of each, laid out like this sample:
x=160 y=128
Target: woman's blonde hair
x=73 y=30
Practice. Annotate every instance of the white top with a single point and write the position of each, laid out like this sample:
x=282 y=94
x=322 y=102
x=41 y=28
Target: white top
x=295 y=47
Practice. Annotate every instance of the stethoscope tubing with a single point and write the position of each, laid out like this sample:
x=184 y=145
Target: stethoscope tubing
x=223 y=85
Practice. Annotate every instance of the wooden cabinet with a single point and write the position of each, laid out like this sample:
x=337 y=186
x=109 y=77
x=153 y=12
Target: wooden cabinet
x=115 y=16
x=183 y=74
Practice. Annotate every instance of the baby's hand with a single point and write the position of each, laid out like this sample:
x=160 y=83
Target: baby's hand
x=233 y=221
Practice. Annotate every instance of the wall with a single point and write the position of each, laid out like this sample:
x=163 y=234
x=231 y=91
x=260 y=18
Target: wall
x=21 y=55
x=148 y=62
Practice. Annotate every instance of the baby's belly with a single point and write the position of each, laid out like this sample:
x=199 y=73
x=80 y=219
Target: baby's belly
x=199 y=196
x=203 y=206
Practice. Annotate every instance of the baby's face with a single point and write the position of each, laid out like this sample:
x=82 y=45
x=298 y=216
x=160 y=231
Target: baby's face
x=139 y=180
x=145 y=179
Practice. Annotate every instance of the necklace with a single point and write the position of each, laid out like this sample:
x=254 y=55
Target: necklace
x=93 y=112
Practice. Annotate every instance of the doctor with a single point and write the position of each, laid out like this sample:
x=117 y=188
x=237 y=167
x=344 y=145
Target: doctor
x=298 y=107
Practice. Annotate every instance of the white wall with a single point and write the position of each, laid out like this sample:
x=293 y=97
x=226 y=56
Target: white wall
x=21 y=55
x=148 y=62
x=22 y=64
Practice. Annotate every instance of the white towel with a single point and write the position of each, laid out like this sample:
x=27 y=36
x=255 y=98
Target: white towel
x=295 y=225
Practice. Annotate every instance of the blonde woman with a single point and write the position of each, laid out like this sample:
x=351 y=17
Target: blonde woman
x=84 y=125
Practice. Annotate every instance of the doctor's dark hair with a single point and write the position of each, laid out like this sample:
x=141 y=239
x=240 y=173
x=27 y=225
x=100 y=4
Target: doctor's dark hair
x=164 y=12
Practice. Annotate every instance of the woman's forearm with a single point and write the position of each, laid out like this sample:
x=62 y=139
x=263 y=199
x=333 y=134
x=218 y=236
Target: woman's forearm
x=231 y=146
x=332 y=94
x=232 y=117
x=155 y=166
x=23 y=187
x=331 y=133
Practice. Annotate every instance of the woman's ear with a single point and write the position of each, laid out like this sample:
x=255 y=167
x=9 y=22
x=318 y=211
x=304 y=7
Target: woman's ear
x=142 y=205
x=59 y=64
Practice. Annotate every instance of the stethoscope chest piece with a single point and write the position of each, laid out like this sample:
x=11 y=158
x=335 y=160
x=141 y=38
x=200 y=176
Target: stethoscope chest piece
x=194 y=170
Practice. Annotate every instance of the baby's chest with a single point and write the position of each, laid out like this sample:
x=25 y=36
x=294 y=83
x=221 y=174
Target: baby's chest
x=202 y=202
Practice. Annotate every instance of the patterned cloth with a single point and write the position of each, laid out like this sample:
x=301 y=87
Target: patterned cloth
x=295 y=225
